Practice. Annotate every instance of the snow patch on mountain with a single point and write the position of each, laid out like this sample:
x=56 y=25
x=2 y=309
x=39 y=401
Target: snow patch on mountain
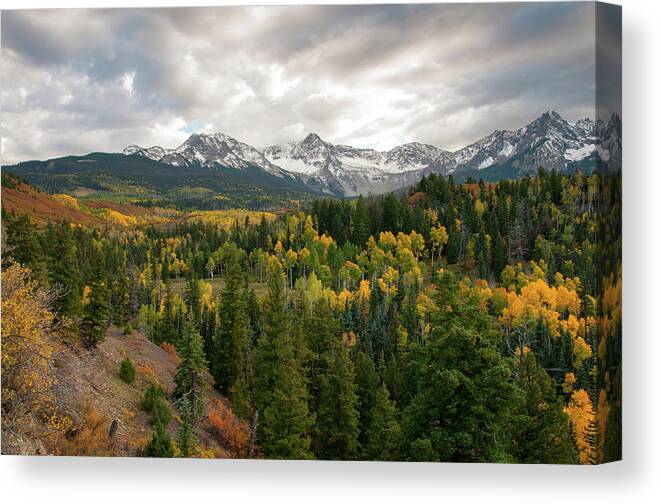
x=580 y=152
x=342 y=170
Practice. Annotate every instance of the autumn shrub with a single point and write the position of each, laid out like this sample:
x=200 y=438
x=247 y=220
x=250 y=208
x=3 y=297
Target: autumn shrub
x=88 y=438
x=146 y=370
x=169 y=348
x=127 y=371
x=227 y=428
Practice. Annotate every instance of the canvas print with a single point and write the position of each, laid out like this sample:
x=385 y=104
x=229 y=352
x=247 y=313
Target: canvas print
x=357 y=232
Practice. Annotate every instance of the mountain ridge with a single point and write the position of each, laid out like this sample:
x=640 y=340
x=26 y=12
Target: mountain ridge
x=343 y=170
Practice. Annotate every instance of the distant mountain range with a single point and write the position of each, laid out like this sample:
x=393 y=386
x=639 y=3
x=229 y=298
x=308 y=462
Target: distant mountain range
x=218 y=171
x=342 y=170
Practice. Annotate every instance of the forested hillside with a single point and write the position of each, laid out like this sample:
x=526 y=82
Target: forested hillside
x=133 y=178
x=473 y=322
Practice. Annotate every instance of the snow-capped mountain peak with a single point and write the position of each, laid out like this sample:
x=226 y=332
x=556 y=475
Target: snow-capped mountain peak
x=548 y=141
x=214 y=150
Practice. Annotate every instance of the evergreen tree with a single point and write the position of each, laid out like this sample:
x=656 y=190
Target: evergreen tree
x=336 y=430
x=391 y=213
x=127 y=370
x=189 y=378
x=166 y=330
x=23 y=245
x=96 y=313
x=464 y=396
x=232 y=340
x=186 y=441
x=360 y=228
x=367 y=383
x=63 y=270
x=160 y=445
x=482 y=255
x=279 y=391
x=384 y=434
x=193 y=298
x=540 y=430
x=453 y=247
x=322 y=335
x=499 y=255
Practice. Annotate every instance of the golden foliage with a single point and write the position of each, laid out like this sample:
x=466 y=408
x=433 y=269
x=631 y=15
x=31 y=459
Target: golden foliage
x=86 y=295
x=388 y=282
x=603 y=409
x=67 y=200
x=364 y=292
x=27 y=350
x=343 y=299
x=227 y=218
x=535 y=303
x=568 y=385
x=387 y=240
x=581 y=413
x=115 y=217
x=611 y=310
x=90 y=438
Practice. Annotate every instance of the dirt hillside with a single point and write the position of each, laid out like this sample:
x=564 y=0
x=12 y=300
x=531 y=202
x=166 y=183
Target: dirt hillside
x=88 y=381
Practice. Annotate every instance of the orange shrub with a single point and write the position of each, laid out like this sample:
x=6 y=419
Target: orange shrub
x=169 y=348
x=146 y=370
x=229 y=430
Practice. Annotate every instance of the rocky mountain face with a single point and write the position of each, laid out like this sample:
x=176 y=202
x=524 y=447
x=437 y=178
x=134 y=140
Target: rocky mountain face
x=215 y=150
x=349 y=171
x=342 y=170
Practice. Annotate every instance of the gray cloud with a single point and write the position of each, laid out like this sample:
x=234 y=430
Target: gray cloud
x=75 y=81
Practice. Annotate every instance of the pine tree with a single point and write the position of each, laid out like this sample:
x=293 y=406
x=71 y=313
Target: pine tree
x=279 y=391
x=189 y=378
x=453 y=247
x=232 y=340
x=360 y=229
x=541 y=431
x=384 y=434
x=482 y=255
x=23 y=245
x=166 y=330
x=193 y=298
x=96 y=313
x=391 y=213
x=367 y=383
x=63 y=269
x=322 y=335
x=499 y=255
x=464 y=397
x=160 y=445
x=127 y=370
x=336 y=430
x=186 y=441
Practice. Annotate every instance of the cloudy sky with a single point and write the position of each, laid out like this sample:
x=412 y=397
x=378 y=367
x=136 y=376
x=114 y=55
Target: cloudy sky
x=76 y=81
